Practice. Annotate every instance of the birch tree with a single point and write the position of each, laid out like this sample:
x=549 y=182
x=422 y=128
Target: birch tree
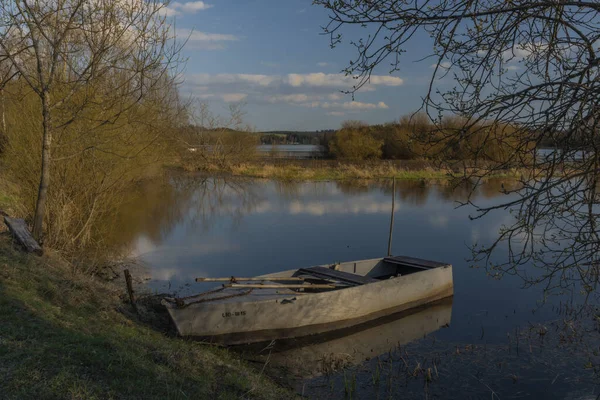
x=75 y=54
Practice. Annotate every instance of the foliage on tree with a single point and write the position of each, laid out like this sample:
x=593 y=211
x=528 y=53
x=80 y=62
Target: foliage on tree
x=355 y=142
x=90 y=64
x=416 y=137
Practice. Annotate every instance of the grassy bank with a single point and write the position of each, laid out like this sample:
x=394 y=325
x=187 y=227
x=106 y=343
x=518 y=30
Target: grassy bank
x=62 y=336
x=320 y=170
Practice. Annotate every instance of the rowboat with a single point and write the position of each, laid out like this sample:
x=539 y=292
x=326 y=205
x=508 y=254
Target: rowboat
x=308 y=301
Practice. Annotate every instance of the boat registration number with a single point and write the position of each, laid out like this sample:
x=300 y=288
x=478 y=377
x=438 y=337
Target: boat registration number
x=233 y=314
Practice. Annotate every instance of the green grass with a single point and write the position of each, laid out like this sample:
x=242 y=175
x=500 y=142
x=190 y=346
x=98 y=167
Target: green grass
x=61 y=337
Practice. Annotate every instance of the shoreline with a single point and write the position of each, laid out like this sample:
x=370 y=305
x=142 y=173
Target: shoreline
x=333 y=170
x=69 y=334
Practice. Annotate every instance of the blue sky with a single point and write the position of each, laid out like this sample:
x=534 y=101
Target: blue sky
x=271 y=55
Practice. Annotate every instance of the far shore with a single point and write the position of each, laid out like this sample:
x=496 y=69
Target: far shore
x=328 y=170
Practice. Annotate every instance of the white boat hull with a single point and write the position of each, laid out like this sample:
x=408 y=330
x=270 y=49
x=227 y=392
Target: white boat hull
x=247 y=319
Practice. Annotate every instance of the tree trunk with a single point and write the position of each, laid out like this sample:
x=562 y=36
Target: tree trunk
x=40 y=207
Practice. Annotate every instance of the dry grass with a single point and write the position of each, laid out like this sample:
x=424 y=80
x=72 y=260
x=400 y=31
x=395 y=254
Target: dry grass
x=9 y=197
x=62 y=337
x=341 y=171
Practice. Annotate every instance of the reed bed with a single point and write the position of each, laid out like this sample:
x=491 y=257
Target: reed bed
x=559 y=359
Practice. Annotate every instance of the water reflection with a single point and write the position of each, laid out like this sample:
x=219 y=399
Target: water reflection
x=326 y=354
x=154 y=208
x=187 y=226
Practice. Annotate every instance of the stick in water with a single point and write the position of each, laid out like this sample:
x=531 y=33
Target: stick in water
x=129 y=285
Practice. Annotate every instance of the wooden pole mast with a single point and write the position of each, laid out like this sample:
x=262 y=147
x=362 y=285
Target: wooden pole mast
x=392 y=217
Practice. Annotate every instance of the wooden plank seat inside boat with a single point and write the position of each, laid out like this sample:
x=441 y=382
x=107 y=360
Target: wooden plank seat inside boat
x=234 y=295
x=335 y=275
x=413 y=263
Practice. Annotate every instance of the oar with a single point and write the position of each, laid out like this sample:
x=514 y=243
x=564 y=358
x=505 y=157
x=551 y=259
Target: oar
x=236 y=279
x=258 y=286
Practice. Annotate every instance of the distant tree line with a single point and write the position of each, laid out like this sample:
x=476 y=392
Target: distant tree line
x=308 y=137
x=416 y=137
x=221 y=142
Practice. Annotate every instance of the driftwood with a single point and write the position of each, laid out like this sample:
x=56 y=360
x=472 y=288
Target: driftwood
x=18 y=228
x=234 y=279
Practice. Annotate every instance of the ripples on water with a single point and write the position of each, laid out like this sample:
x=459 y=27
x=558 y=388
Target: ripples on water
x=196 y=226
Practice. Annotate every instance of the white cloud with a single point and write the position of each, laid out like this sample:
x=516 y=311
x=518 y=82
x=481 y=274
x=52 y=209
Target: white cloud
x=227 y=97
x=318 y=101
x=304 y=98
x=357 y=105
x=336 y=113
x=323 y=64
x=191 y=7
x=197 y=36
x=316 y=90
x=386 y=80
x=523 y=50
x=321 y=79
x=292 y=98
x=318 y=79
x=233 y=97
x=348 y=105
x=208 y=79
x=513 y=68
x=204 y=40
x=168 y=12
x=442 y=65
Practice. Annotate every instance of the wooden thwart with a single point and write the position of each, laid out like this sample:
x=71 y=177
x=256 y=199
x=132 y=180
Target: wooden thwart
x=18 y=228
x=332 y=274
x=276 y=286
x=236 y=279
x=414 y=262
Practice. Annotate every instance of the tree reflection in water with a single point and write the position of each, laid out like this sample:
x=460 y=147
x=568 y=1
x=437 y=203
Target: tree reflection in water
x=153 y=208
x=208 y=226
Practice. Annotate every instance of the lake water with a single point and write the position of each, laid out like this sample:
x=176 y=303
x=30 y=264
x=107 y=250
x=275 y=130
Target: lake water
x=297 y=151
x=485 y=342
